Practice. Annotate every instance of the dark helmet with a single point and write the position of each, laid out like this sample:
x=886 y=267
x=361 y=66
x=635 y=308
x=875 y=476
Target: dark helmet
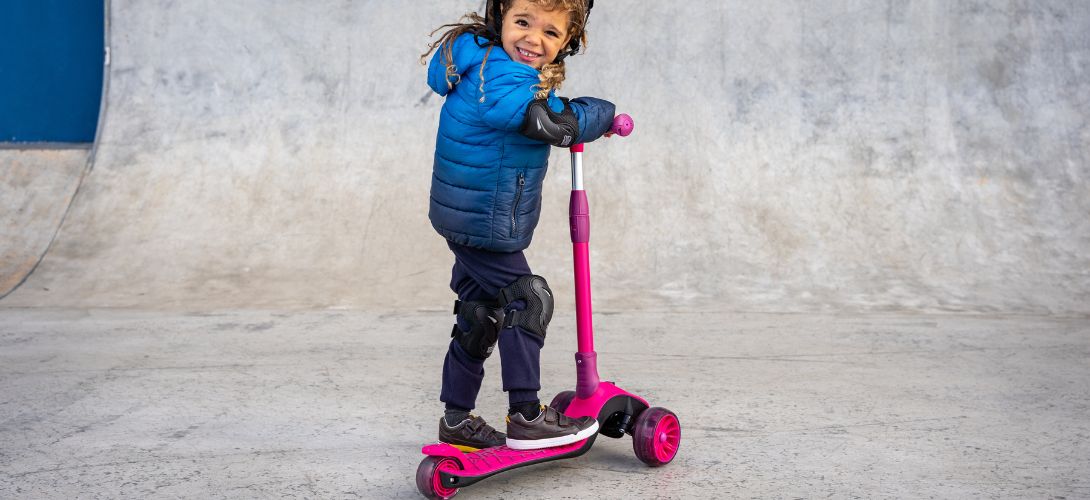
x=493 y=21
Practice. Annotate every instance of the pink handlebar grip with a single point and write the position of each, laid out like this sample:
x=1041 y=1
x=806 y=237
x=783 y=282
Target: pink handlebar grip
x=622 y=125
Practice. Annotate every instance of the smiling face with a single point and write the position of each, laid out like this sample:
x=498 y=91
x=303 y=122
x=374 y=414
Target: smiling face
x=532 y=35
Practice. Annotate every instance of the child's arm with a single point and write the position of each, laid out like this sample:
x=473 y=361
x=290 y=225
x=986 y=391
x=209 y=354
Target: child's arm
x=582 y=120
x=509 y=105
x=544 y=124
x=595 y=117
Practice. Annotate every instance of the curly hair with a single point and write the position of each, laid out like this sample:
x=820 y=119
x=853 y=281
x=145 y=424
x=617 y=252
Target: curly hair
x=551 y=75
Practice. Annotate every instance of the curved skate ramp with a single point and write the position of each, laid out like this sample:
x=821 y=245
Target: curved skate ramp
x=791 y=156
x=36 y=189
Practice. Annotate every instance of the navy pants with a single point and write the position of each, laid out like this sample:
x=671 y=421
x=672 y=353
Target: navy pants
x=479 y=275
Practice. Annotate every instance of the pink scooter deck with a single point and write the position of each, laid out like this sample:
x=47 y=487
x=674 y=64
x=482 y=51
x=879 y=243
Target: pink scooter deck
x=481 y=464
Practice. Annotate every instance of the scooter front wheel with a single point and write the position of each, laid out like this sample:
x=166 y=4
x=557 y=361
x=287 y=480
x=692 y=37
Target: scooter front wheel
x=430 y=482
x=656 y=436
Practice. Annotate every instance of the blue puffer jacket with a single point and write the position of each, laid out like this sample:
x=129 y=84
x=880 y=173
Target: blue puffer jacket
x=487 y=177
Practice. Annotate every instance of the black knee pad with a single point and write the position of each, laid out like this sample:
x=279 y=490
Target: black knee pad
x=484 y=319
x=539 y=304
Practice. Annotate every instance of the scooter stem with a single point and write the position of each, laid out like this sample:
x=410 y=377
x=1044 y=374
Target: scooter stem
x=579 y=221
x=586 y=364
x=586 y=360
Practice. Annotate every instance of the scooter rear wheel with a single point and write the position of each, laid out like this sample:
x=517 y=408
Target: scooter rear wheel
x=656 y=436
x=562 y=400
x=430 y=482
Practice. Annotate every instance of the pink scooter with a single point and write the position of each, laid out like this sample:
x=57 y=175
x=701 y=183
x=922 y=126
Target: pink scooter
x=656 y=432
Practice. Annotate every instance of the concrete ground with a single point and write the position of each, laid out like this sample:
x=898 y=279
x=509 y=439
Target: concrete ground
x=336 y=404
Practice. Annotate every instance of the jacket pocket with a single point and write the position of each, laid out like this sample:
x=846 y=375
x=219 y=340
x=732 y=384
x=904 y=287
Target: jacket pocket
x=515 y=205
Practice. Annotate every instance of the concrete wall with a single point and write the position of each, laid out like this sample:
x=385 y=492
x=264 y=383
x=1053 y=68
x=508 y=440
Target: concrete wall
x=788 y=156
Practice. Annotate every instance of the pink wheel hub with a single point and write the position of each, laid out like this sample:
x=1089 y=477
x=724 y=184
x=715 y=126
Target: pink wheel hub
x=437 y=485
x=667 y=437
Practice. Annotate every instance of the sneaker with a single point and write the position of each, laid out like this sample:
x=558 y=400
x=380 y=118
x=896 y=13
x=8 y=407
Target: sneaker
x=470 y=435
x=550 y=428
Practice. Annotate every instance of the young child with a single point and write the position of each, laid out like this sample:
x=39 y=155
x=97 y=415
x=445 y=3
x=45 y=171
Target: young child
x=499 y=74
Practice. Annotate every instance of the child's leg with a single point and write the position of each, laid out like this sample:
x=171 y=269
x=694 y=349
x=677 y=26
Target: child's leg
x=478 y=321
x=472 y=342
x=462 y=376
x=480 y=275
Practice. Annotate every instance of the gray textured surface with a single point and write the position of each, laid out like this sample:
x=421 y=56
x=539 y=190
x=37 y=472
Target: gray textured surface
x=122 y=404
x=36 y=188
x=789 y=156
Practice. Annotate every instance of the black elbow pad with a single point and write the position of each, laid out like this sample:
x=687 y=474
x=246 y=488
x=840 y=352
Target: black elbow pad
x=545 y=125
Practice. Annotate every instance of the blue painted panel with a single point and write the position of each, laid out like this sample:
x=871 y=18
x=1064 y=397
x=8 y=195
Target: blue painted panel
x=51 y=59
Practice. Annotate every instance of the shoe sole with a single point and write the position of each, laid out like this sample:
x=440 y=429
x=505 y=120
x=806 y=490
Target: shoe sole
x=535 y=444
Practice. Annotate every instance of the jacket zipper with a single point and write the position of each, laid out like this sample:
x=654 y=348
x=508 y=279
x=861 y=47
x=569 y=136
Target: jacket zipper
x=515 y=209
